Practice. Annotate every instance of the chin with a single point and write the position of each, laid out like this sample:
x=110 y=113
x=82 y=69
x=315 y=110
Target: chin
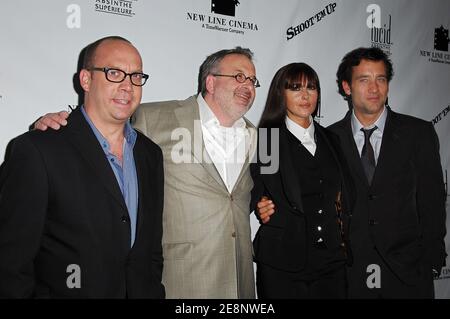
x=304 y=114
x=125 y=109
x=122 y=116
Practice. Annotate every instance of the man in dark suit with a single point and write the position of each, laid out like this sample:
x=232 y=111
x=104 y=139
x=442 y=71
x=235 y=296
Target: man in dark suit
x=398 y=224
x=81 y=208
x=397 y=227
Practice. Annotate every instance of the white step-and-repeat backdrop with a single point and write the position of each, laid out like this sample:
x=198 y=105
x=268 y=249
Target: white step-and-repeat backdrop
x=41 y=42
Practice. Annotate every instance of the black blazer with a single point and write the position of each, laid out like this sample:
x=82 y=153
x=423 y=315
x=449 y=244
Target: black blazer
x=281 y=243
x=406 y=201
x=60 y=204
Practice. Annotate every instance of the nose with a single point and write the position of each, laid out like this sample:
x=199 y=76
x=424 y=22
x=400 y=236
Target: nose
x=126 y=84
x=247 y=87
x=373 y=86
x=304 y=93
x=248 y=83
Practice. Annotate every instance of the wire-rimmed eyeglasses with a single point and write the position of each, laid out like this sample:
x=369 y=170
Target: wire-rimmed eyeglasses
x=117 y=75
x=241 y=78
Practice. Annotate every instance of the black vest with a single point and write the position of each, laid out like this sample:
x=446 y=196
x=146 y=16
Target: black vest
x=320 y=181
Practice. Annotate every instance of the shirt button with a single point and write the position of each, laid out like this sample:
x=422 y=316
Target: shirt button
x=231 y=197
x=319 y=228
x=319 y=211
x=233 y=234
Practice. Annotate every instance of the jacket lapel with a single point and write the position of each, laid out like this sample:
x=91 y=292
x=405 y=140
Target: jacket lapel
x=388 y=148
x=250 y=154
x=188 y=116
x=350 y=150
x=320 y=131
x=80 y=135
x=142 y=170
x=289 y=180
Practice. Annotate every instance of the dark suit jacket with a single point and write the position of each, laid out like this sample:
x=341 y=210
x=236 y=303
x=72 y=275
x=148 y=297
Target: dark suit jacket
x=60 y=204
x=406 y=201
x=281 y=243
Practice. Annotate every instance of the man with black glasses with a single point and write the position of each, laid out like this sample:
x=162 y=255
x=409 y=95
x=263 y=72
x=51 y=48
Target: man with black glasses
x=207 y=146
x=81 y=208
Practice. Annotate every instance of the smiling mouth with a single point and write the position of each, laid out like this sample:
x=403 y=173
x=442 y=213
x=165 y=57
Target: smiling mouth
x=244 y=96
x=122 y=101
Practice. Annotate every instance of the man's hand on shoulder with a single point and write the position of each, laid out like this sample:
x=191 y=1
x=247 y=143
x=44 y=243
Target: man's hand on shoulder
x=52 y=120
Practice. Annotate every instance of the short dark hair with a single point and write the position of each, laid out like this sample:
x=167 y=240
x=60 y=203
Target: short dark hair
x=353 y=58
x=274 y=113
x=89 y=53
x=211 y=64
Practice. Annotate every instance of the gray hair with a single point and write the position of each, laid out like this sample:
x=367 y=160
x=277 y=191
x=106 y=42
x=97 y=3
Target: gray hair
x=211 y=63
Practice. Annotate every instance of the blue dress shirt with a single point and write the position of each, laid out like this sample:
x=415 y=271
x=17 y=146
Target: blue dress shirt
x=126 y=175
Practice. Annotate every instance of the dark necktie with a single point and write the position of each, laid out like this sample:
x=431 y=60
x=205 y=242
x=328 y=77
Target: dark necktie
x=367 y=155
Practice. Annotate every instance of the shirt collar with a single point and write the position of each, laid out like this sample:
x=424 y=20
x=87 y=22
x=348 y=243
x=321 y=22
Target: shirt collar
x=129 y=133
x=299 y=131
x=380 y=122
x=208 y=118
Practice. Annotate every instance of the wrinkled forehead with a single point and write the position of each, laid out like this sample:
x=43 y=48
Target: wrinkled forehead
x=237 y=63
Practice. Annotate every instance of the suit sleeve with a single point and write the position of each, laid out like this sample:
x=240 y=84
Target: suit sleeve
x=258 y=187
x=157 y=254
x=431 y=198
x=23 y=206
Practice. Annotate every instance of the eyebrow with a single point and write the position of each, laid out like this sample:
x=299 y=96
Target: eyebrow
x=139 y=70
x=242 y=71
x=368 y=76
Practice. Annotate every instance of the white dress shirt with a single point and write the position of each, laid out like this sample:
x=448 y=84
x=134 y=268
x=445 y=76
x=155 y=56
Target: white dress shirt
x=226 y=146
x=304 y=135
x=375 y=138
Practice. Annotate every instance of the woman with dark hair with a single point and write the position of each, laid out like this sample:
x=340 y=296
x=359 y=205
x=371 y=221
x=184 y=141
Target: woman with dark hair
x=301 y=250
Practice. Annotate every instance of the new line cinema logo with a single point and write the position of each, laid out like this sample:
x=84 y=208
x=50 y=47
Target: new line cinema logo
x=440 y=53
x=219 y=19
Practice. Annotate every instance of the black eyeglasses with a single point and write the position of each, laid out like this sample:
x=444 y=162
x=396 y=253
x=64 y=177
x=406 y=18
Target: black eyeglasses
x=117 y=75
x=241 y=78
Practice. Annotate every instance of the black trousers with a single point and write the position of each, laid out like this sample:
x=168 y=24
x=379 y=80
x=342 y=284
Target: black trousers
x=389 y=286
x=276 y=284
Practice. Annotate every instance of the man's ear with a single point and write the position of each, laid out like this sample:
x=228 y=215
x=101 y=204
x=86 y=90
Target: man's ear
x=346 y=87
x=210 y=83
x=85 y=80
